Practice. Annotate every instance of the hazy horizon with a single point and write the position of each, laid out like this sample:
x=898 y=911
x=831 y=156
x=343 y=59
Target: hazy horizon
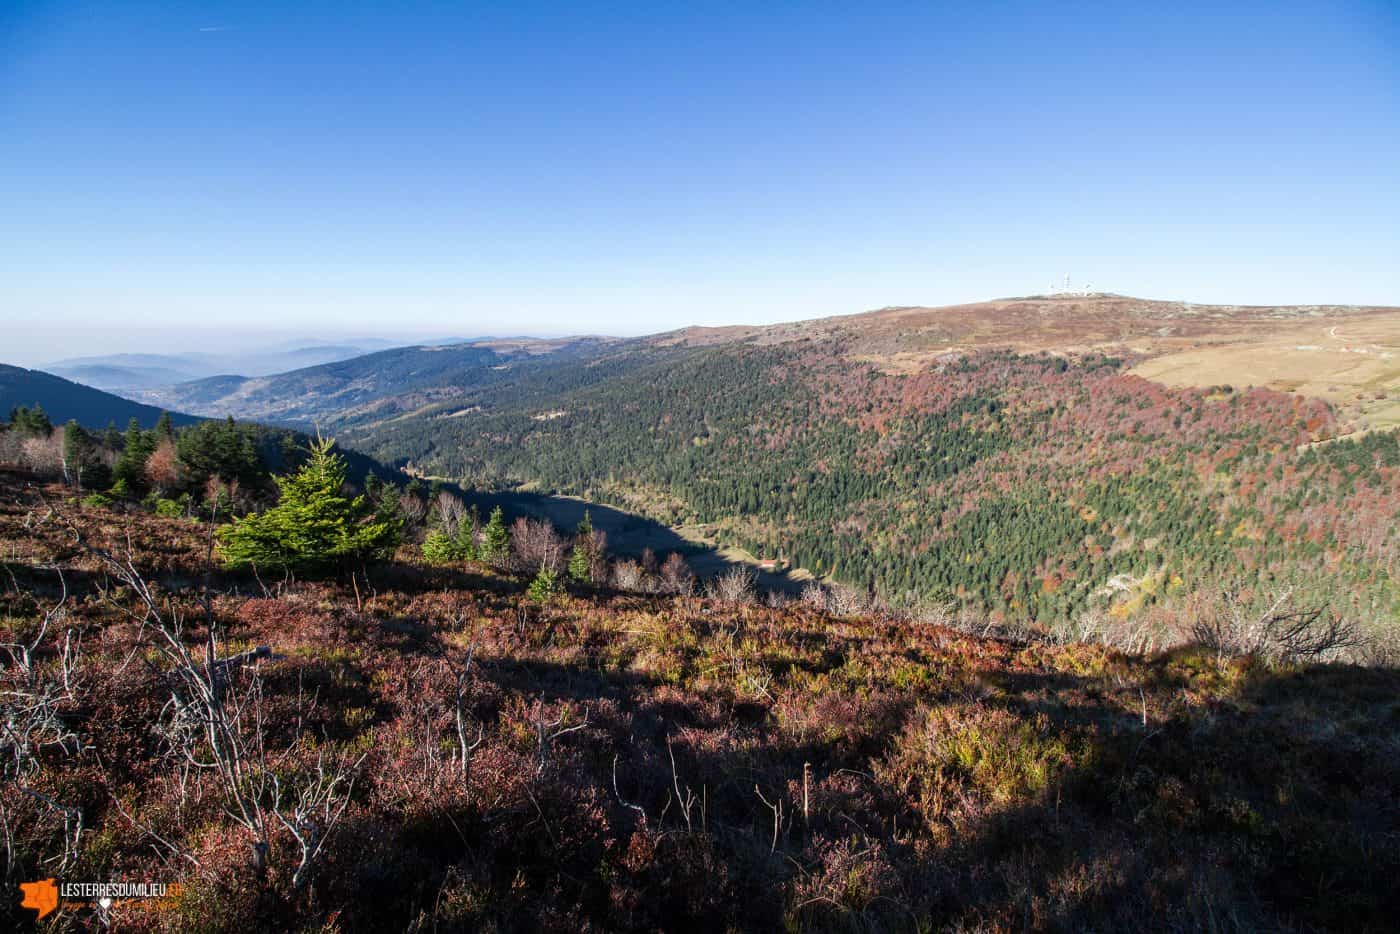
x=540 y=170
x=33 y=349
x=219 y=341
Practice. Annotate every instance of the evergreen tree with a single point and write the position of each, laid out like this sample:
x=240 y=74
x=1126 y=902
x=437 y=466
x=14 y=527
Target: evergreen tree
x=164 y=428
x=225 y=450
x=581 y=561
x=387 y=507
x=81 y=460
x=31 y=421
x=441 y=548
x=314 y=525
x=466 y=542
x=544 y=587
x=495 y=539
x=137 y=448
x=111 y=438
x=293 y=455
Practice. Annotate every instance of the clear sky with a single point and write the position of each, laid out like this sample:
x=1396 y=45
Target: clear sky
x=192 y=170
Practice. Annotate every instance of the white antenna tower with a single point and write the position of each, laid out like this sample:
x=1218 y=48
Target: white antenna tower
x=1069 y=289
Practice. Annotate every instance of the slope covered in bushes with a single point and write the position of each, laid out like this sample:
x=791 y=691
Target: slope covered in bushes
x=426 y=748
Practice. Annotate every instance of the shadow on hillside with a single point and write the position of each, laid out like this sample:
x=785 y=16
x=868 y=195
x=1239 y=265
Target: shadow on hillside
x=628 y=533
x=1275 y=806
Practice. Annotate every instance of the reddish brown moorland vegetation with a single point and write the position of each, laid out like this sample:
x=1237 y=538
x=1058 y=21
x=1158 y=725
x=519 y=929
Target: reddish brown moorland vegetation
x=422 y=748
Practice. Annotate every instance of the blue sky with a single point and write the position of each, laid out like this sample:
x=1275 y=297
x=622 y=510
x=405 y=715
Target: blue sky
x=193 y=173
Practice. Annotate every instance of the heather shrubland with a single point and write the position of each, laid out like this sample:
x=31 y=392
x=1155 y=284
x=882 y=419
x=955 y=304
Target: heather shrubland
x=422 y=746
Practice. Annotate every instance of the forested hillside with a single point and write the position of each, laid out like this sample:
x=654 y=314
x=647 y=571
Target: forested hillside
x=379 y=384
x=135 y=373
x=65 y=400
x=1048 y=489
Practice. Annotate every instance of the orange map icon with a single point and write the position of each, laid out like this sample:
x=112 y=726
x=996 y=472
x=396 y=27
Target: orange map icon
x=41 y=896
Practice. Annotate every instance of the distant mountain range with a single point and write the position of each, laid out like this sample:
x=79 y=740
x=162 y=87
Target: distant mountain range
x=64 y=399
x=374 y=385
x=128 y=373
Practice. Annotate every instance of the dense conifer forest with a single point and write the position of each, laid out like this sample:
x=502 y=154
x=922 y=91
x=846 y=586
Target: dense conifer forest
x=1030 y=487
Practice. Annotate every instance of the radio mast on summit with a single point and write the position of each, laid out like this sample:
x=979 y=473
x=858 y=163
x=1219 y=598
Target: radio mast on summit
x=1068 y=289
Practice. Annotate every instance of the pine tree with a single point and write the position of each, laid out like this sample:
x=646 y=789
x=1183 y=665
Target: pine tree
x=29 y=421
x=111 y=438
x=495 y=539
x=580 y=562
x=314 y=525
x=441 y=548
x=466 y=540
x=387 y=507
x=225 y=450
x=137 y=449
x=80 y=458
x=544 y=587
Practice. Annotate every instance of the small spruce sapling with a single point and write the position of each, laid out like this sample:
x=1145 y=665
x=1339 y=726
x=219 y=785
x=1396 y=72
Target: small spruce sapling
x=495 y=539
x=545 y=587
x=581 y=560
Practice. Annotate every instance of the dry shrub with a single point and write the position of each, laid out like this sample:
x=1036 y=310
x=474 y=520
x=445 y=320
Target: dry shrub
x=163 y=467
x=833 y=599
x=414 y=509
x=11 y=447
x=629 y=575
x=449 y=513
x=814 y=596
x=735 y=585
x=537 y=545
x=1235 y=626
x=853 y=887
x=597 y=547
x=845 y=601
x=1380 y=649
x=44 y=456
x=1139 y=633
x=676 y=576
